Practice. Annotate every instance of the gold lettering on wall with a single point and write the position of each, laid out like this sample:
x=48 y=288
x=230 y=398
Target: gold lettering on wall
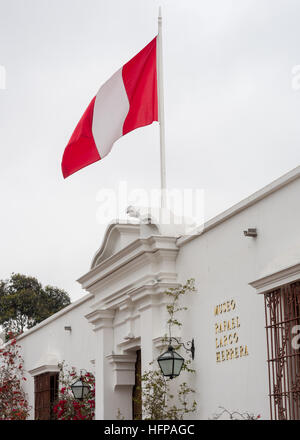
x=225 y=307
x=226 y=331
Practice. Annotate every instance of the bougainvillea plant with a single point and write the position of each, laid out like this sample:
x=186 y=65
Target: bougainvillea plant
x=13 y=400
x=66 y=406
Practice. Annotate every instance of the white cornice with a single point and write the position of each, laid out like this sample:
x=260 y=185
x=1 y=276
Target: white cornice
x=123 y=366
x=277 y=279
x=130 y=345
x=44 y=369
x=135 y=277
x=121 y=360
x=138 y=248
x=101 y=319
x=267 y=190
x=142 y=294
x=161 y=343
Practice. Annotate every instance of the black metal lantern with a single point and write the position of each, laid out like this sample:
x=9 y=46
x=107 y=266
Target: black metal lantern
x=80 y=389
x=170 y=363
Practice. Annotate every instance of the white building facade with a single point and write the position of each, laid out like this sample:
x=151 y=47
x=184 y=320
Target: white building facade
x=243 y=315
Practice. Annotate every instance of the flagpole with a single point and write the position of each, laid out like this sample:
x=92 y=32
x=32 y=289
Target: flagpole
x=161 y=116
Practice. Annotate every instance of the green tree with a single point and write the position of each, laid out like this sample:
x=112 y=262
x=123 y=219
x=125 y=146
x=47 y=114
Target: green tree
x=24 y=302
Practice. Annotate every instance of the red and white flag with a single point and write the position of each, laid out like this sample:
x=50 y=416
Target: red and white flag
x=128 y=100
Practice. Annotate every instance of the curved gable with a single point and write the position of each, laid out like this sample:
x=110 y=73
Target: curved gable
x=116 y=237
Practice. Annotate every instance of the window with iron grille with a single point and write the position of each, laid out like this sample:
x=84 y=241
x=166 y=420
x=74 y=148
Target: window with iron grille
x=282 y=308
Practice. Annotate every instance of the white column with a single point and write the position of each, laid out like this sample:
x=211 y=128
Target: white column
x=146 y=336
x=103 y=327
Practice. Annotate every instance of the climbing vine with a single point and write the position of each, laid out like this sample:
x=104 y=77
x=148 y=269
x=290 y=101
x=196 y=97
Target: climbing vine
x=234 y=415
x=158 y=401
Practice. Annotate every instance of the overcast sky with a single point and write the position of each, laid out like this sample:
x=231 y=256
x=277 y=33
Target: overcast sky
x=232 y=116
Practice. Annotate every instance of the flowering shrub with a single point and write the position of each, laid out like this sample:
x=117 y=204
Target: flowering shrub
x=13 y=401
x=69 y=408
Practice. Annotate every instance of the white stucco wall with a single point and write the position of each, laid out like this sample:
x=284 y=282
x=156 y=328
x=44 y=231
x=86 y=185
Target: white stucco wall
x=49 y=343
x=125 y=308
x=223 y=261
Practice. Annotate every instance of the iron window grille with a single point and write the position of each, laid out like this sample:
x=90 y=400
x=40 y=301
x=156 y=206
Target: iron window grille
x=282 y=310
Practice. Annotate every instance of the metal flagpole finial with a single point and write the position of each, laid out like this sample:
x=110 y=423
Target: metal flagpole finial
x=159 y=13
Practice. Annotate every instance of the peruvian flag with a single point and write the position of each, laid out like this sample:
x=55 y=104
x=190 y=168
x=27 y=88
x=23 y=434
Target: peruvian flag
x=128 y=100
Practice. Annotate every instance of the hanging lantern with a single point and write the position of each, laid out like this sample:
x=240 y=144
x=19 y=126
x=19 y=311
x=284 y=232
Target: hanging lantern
x=80 y=389
x=170 y=363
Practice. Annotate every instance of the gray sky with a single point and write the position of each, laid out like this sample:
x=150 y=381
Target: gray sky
x=231 y=114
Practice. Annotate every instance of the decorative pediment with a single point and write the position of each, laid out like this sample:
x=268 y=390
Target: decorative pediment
x=135 y=261
x=116 y=237
x=142 y=223
x=119 y=235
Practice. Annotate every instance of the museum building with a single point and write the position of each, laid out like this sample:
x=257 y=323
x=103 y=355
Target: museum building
x=244 y=316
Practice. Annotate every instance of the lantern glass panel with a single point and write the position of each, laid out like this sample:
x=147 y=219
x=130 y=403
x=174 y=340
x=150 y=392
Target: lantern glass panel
x=177 y=366
x=86 y=390
x=166 y=366
x=80 y=389
x=170 y=363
